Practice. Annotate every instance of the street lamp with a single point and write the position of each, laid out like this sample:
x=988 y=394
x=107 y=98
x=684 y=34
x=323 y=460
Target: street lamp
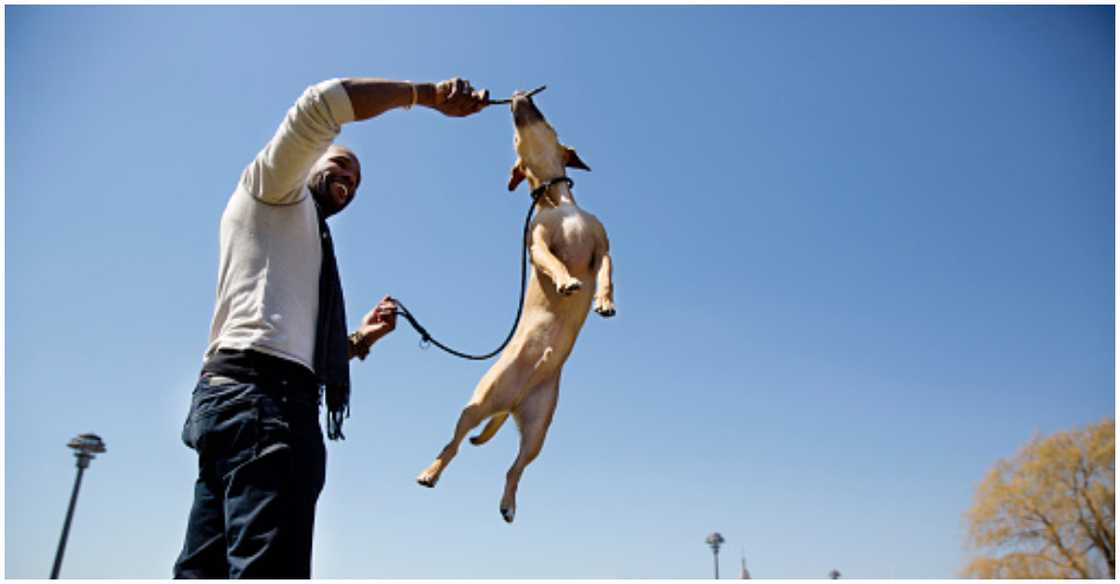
x=85 y=447
x=714 y=539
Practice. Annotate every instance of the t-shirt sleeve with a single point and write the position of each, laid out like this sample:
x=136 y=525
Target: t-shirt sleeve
x=278 y=174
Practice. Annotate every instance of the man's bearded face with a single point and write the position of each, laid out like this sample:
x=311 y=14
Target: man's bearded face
x=334 y=179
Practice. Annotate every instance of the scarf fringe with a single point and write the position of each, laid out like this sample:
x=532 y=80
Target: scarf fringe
x=338 y=409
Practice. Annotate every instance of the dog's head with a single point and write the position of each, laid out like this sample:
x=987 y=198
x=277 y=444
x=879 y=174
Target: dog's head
x=540 y=155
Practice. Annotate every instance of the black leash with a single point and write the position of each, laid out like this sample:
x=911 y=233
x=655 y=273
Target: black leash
x=426 y=337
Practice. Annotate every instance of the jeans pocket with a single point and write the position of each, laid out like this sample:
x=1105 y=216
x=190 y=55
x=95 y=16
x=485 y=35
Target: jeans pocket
x=222 y=426
x=190 y=433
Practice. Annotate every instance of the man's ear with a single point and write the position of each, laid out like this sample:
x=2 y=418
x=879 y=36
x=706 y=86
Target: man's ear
x=574 y=161
x=516 y=175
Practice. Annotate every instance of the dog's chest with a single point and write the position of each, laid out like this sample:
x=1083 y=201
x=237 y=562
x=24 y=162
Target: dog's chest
x=573 y=235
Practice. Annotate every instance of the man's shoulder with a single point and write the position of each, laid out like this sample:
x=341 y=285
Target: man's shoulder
x=244 y=199
x=244 y=210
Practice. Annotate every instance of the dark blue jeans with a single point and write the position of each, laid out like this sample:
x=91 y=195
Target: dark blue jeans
x=261 y=467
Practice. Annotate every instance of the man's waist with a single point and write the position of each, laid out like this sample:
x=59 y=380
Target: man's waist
x=252 y=366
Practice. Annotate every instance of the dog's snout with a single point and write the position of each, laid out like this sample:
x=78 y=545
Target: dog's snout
x=524 y=110
x=520 y=101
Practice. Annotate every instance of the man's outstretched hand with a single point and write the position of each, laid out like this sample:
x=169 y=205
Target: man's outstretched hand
x=456 y=98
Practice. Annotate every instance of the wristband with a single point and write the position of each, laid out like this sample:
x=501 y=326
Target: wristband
x=415 y=95
x=358 y=348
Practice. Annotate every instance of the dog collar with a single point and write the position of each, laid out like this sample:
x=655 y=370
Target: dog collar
x=537 y=192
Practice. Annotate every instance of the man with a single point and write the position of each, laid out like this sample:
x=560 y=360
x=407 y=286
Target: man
x=279 y=335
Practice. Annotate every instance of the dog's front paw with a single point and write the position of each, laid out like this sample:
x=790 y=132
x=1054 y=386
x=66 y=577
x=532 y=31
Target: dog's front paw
x=604 y=307
x=569 y=287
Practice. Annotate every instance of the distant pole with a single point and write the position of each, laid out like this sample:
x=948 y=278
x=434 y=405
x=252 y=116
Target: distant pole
x=714 y=539
x=85 y=447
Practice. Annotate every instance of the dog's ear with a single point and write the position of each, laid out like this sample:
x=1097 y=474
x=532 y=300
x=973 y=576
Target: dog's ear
x=516 y=175
x=574 y=161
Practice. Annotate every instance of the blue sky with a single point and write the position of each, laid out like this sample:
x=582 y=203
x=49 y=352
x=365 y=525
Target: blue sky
x=860 y=254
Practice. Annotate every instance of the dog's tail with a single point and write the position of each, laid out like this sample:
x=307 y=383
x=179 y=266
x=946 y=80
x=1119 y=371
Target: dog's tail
x=491 y=428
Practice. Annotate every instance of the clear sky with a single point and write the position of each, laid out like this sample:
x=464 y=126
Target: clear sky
x=860 y=254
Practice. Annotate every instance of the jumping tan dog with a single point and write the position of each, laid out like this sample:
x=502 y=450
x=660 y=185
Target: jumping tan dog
x=569 y=252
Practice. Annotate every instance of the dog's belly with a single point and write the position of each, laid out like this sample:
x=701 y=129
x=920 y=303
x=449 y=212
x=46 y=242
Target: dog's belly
x=548 y=328
x=547 y=339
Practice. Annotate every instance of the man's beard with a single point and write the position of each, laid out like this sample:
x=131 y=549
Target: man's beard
x=320 y=187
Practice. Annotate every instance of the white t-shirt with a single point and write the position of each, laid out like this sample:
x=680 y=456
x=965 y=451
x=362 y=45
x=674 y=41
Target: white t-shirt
x=270 y=254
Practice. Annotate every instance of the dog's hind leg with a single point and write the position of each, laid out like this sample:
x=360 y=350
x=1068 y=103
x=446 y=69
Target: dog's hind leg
x=472 y=416
x=533 y=416
x=494 y=393
x=491 y=428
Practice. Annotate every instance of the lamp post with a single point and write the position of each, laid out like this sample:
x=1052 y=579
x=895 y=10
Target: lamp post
x=85 y=447
x=714 y=539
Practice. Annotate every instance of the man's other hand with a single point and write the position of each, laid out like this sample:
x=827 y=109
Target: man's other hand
x=456 y=98
x=379 y=322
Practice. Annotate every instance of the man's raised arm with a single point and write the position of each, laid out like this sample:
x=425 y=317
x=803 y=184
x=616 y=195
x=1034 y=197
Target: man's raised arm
x=372 y=97
x=276 y=176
